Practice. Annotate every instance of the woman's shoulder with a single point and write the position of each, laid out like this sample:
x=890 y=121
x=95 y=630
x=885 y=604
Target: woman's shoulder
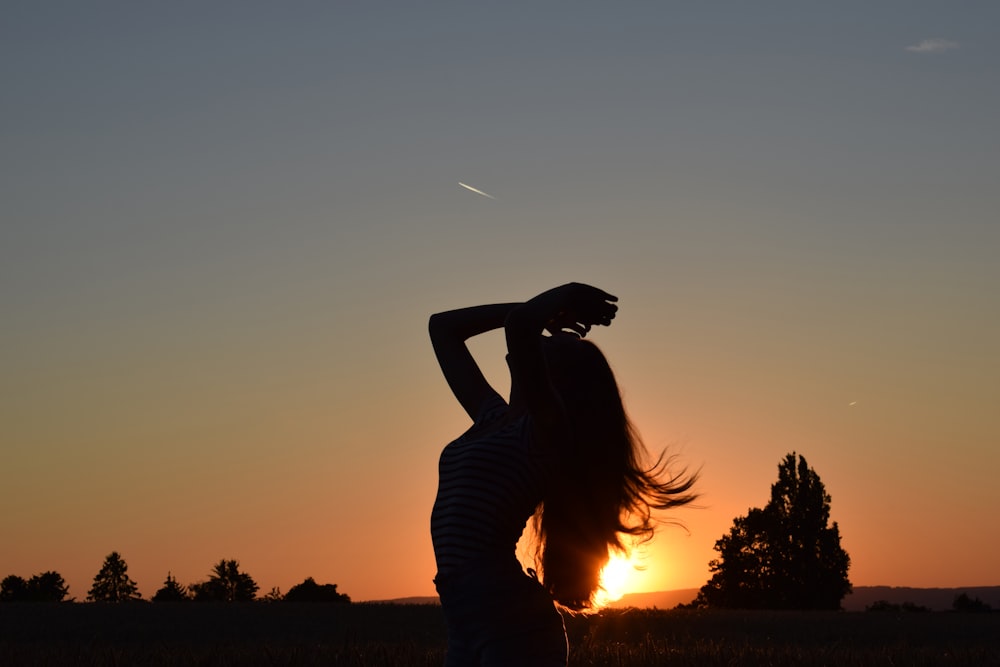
x=493 y=409
x=497 y=421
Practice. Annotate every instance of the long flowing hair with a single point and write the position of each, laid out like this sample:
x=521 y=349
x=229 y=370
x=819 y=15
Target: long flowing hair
x=602 y=487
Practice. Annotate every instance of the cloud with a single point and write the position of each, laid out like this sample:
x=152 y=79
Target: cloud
x=935 y=45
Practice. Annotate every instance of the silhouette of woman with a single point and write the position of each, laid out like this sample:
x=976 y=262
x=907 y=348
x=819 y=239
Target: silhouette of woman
x=562 y=450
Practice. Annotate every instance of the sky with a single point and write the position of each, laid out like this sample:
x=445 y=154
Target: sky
x=224 y=226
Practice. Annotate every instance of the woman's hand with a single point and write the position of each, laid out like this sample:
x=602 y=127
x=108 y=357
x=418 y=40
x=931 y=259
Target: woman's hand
x=576 y=307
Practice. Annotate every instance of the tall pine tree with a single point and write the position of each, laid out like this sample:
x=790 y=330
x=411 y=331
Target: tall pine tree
x=112 y=583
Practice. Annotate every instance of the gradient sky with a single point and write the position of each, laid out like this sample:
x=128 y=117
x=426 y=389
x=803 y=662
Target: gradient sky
x=225 y=224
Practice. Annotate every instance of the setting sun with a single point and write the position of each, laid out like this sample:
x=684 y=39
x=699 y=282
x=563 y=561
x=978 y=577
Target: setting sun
x=615 y=578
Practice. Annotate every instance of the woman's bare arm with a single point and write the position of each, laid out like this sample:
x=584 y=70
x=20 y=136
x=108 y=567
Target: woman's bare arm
x=449 y=331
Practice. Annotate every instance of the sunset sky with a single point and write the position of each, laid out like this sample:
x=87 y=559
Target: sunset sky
x=224 y=225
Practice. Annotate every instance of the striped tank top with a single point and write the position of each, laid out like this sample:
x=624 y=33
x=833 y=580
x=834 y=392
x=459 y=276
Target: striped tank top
x=490 y=480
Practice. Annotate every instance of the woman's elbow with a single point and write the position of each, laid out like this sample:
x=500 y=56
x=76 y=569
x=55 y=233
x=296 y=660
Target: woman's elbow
x=435 y=323
x=440 y=326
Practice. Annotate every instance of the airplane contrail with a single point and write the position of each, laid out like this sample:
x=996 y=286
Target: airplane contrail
x=478 y=192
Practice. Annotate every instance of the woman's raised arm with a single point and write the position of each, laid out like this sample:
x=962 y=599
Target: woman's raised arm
x=449 y=331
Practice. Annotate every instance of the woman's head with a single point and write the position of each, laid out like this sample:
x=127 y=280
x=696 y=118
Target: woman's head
x=582 y=377
x=576 y=365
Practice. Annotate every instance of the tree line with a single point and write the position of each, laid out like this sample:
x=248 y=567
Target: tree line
x=962 y=603
x=112 y=584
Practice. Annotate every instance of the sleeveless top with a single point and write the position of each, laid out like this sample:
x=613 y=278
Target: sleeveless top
x=490 y=481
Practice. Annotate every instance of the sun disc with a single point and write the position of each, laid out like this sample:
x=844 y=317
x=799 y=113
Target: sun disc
x=615 y=579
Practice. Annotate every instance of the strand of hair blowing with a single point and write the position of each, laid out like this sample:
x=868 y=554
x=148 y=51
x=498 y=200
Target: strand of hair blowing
x=601 y=487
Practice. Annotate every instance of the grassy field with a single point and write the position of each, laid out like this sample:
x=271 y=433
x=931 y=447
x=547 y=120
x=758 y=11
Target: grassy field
x=374 y=634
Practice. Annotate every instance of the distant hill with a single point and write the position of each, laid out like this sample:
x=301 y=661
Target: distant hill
x=936 y=599
x=660 y=600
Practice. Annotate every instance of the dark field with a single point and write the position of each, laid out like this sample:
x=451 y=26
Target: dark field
x=375 y=634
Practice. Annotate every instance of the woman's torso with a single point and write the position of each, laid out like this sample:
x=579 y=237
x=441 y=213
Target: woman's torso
x=490 y=481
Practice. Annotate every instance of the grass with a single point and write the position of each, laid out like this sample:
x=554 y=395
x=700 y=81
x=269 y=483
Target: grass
x=289 y=634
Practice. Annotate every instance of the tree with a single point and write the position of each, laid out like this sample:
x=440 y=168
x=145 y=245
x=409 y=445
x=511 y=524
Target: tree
x=13 y=589
x=112 y=583
x=966 y=604
x=45 y=587
x=784 y=556
x=171 y=591
x=310 y=591
x=273 y=595
x=226 y=584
